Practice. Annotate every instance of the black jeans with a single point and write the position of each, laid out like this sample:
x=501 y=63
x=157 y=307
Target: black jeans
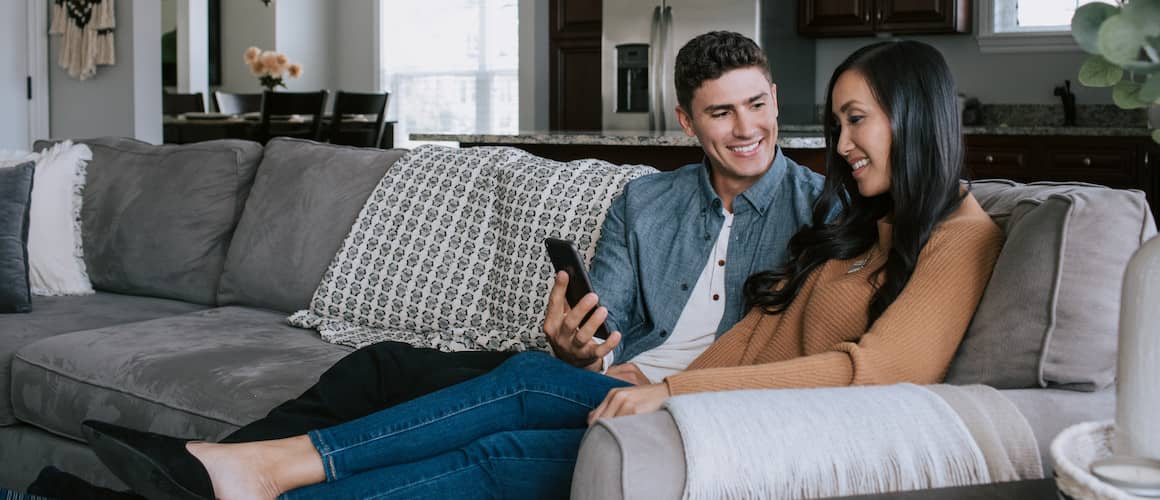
x=365 y=381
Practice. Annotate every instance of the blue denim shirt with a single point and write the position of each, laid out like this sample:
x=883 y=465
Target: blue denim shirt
x=659 y=232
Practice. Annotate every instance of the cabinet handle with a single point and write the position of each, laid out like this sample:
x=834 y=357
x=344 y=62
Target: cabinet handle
x=990 y=159
x=879 y=15
x=866 y=17
x=1087 y=162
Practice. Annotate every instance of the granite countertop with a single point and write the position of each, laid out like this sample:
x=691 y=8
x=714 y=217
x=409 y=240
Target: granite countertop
x=789 y=136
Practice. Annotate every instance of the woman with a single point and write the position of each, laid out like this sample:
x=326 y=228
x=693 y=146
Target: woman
x=882 y=295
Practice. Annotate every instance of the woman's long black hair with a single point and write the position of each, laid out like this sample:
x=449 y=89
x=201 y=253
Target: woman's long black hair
x=913 y=84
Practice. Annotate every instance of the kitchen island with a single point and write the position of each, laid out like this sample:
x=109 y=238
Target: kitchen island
x=664 y=151
x=1120 y=157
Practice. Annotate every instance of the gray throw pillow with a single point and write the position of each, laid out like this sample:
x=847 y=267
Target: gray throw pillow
x=157 y=220
x=305 y=198
x=1050 y=314
x=15 y=196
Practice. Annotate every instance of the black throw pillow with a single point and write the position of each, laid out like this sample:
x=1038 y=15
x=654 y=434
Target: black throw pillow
x=15 y=197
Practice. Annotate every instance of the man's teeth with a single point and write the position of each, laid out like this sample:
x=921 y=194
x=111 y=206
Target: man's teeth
x=745 y=149
x=860 y=163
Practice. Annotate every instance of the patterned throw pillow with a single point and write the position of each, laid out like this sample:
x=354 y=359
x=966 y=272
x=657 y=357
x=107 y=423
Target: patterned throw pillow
x=448 y=250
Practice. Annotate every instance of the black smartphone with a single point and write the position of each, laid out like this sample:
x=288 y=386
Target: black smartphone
x=565 y=257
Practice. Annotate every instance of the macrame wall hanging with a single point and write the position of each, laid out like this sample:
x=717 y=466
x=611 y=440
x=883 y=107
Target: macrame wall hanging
x=87 y=26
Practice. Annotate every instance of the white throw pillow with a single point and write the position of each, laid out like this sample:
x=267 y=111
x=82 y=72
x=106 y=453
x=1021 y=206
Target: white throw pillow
x=56 y=263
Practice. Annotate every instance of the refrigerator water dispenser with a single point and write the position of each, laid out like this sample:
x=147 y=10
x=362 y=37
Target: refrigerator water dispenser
x=632 y=78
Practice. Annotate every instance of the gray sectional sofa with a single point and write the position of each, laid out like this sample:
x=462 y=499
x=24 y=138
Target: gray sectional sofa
x=200 y=251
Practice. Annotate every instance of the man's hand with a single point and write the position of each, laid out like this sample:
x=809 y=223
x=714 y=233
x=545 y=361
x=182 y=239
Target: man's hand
x=571 y=341
x=631 y=401
x=628 y=372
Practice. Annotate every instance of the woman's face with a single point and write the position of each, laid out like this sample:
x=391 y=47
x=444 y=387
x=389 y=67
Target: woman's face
x=865 y=135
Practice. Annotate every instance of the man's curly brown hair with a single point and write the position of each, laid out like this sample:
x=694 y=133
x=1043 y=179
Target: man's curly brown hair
x=711 y=55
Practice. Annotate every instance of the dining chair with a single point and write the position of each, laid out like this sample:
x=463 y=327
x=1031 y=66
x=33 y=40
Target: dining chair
x=176 y=104
x=236 y=104
x=358 y=133
x=277 y=111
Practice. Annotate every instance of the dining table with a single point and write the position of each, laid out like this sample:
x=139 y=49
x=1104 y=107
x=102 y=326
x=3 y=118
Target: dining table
x=196 y=127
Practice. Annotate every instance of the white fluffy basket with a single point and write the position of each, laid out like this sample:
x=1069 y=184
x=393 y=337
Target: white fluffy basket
x=1074 y=450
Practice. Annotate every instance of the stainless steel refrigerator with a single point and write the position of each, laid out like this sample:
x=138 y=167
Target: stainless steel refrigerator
x=640 y=42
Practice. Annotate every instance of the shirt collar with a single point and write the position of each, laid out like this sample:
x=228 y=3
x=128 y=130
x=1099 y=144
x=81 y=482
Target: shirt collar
x=759 y=196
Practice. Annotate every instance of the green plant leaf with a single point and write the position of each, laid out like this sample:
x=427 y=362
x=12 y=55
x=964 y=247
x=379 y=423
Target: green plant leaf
x=1098 y=72
x=1120 y=40
x=1126 y=95
x=1085 y=24
x=1141 y=67
x=1156 y=135
x=1150 y=91
x=1145 y=14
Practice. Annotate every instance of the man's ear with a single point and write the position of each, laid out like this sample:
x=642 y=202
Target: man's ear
x=686 y=121
x=773 y=96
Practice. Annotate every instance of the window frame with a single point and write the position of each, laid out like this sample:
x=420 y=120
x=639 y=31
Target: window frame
x=1031 y=40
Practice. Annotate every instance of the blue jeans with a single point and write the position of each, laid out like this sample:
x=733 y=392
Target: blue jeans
x=513 y=432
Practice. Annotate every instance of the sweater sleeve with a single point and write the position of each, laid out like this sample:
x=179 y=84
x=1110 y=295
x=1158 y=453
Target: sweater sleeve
x=914 y=339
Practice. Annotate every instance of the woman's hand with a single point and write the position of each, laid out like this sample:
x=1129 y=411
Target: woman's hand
x=631 y=401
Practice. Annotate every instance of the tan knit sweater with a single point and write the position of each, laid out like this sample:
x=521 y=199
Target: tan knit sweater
x=821 y=340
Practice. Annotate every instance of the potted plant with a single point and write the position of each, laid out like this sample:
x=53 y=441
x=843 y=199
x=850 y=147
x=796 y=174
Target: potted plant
x=1124 y=40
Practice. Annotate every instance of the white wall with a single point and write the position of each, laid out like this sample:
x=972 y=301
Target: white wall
x=533 y=26
x=123 y=99
x=356 y=53
x=302 y=31
x=993 y=78
x=245 y=23
x=13 y=73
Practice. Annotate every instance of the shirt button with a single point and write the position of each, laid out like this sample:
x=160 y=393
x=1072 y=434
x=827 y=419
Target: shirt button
x=721 y=263
x=684 y=286
x=716 y=297
x=664 y=333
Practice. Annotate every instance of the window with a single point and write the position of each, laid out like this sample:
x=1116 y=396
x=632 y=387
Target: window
x=451 y=66
x=1028 y=25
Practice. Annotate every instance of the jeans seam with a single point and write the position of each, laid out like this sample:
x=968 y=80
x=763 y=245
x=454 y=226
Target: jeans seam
x=325 y=452
x=333 y=451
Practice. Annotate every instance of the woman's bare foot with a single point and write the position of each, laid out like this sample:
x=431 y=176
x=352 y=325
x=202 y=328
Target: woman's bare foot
x=259 y=470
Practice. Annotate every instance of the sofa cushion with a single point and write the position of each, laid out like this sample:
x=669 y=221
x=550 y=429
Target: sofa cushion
x=199 y=375
x=1050 y=314
x=15 y=196
x=305 y=198
x=157 y=220
x=57 y=315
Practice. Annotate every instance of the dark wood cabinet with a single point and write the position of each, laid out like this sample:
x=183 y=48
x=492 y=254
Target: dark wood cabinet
x=1119 y=162
x=833 y=18
x=574 y=65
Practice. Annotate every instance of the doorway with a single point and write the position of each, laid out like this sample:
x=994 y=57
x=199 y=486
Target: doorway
x=23 y=74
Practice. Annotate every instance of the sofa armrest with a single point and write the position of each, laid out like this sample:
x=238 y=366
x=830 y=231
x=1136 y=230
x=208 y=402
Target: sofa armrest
x=645 y=447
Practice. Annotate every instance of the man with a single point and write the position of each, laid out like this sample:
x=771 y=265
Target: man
x=673 y=254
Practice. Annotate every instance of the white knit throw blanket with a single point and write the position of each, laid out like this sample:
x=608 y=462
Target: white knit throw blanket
x=812 y=443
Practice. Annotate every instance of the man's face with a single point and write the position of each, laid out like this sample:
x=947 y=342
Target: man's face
x=735 y=118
